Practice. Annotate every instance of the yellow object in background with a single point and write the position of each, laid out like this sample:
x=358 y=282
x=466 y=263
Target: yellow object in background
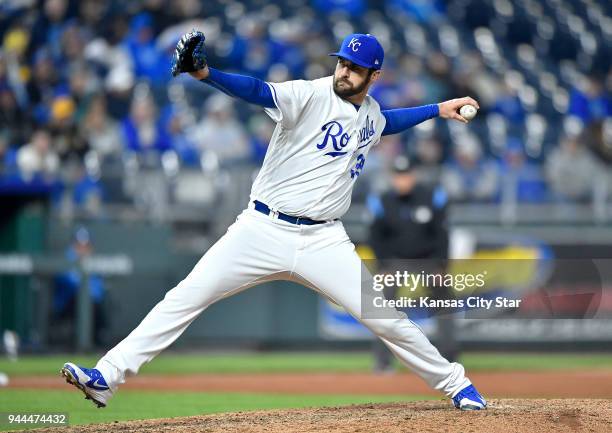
x=16 y=42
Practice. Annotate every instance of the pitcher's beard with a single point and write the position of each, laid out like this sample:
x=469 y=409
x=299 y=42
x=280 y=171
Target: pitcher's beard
x=347 y=92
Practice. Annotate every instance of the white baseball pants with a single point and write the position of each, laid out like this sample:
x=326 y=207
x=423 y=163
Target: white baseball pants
x=259 y=248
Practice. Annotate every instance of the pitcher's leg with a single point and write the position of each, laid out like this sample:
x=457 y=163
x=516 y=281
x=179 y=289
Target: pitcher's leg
x=408 y=343
x=247 y=254
x=336 y=272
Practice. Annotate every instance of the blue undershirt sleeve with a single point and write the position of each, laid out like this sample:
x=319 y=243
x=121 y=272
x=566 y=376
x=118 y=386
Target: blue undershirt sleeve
x=249 y=89
x=400 y=119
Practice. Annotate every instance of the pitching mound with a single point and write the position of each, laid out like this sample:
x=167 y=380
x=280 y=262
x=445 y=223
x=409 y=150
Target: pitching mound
x=507 y=415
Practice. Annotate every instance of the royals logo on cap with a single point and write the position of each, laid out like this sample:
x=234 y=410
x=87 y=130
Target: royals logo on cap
x=354 y=44
x=363 y=50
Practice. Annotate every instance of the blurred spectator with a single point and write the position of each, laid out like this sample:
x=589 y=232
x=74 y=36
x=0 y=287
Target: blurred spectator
x=4 y=151
x=119 y=84
x=522 y=179
x=469 y=175
x=82 y=85
x=141 y=130
x=252 y=50
x=590 y=100
x=41 y=86
x=92 y=13
x=64 y=128
x=288 y=38
x=261 y=132
x=68 y=284
x=72 y=43
x=49 y=26
x=13 y=121
x=598 y=136
x=219 y=131
x=4 y=79
x=110 y=56
x=419 y=10
x=412 y=87
x=38 y=158
x=386 y=89
x=429 y=154
x=173 y=128
x=438 y=77
x=149 y=61
x=571 y=170
x=471 y=77
x=353 y=8
x=186 y=9
x=100 y=131
x=14 y=47
x=88 y=194
x=508 y=104
x=8 y=157
x=157 y=12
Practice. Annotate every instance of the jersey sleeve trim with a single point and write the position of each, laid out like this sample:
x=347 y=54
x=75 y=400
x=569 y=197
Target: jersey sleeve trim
x=273 y=94
x=275 y=113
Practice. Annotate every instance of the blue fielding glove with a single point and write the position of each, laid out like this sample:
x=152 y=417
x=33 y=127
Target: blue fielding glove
x=190 y=53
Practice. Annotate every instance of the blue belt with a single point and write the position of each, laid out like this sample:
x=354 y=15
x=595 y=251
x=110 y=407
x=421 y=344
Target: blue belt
x=264 y=209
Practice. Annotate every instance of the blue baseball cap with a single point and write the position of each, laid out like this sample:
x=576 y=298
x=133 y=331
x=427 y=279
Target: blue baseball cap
x=363 y=50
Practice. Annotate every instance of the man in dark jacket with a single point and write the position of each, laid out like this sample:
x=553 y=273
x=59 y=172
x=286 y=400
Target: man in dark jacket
x=410 y=224
x=410 y=220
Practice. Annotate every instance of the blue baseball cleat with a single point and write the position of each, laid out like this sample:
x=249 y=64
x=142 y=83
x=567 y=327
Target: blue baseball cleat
x=469 y=399
x=90 y=381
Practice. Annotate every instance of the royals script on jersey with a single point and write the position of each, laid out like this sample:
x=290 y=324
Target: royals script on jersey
x=317 y=151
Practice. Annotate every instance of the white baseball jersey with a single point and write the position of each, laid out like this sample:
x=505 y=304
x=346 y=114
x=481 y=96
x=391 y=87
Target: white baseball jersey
x=317 y=151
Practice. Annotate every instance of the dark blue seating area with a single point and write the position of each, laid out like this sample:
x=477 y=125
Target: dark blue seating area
x=92 y=79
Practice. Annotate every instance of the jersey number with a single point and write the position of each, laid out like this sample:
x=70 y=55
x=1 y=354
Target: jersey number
x=358 y=166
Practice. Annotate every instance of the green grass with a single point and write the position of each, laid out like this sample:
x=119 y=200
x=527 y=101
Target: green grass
x=130 y=405
x=536 y=361
x=172 y=363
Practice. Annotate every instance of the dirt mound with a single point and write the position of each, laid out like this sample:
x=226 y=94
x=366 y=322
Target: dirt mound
x=504 y=415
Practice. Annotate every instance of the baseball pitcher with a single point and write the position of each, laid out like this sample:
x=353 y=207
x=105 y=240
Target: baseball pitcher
x=291 y=229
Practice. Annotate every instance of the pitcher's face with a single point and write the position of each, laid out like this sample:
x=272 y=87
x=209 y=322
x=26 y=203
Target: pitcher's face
x=351 y=79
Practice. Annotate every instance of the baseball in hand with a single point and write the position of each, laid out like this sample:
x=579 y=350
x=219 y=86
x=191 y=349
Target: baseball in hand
x=468 y=112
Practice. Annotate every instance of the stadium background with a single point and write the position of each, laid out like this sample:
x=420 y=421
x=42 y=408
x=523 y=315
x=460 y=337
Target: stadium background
x=101 y=149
